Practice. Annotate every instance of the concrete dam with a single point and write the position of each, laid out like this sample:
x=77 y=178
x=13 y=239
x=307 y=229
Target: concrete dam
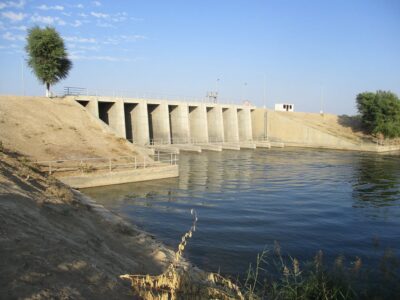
x=196 y=126
x=162 y=122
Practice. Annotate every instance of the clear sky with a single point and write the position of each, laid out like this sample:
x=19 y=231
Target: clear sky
x=294 y=50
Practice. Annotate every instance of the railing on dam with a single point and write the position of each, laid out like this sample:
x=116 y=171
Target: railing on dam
x=114 y=164
x=81 y=91
x=193 y=141
x=74 y=91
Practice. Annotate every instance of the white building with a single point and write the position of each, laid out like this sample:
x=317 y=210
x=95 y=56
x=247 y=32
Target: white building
x=284 y=107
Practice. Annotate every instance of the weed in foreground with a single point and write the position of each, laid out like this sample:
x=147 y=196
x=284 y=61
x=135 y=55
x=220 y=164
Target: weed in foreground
x=181 y=281
x=314 y=280
x=274 y=276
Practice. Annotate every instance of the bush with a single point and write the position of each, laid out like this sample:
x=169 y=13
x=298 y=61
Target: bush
x=380 y=113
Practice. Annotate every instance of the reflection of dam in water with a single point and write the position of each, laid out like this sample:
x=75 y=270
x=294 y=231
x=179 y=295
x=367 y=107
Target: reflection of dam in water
x=305 y=199
x=212 y=172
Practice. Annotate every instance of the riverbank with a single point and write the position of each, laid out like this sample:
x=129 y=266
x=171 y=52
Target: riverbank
x=57 y=243
x=320 y=131
x=305 y=199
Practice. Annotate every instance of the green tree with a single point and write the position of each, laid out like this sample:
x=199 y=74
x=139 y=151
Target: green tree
x=47 y=56
x=380 y=113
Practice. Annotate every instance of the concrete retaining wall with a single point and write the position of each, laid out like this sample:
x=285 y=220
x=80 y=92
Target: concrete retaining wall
x=291 y=131
x=93 y=180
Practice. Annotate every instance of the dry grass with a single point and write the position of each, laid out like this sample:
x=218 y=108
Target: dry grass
x=59 y=193
x=180 y=281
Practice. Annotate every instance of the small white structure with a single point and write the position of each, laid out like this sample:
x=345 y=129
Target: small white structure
x=284 y=107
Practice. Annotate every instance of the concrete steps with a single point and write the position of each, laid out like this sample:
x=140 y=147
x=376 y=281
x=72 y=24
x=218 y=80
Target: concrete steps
x=176 y=148
x=247 y=145
x=188 y=148
x=277 y=144
x=166 y=148
x=230 y=146
x=263 y=144
x=210 y=147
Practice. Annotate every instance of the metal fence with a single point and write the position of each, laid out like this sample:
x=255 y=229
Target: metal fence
x=193 y=141
x=80 y=91
x=74 y=91
x=101 y=164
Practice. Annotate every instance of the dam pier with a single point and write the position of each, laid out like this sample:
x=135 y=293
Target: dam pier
x=180 y=126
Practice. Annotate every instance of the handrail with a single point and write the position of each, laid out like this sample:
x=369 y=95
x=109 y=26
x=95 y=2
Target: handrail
x=91 y=164
x=75 y=91
x=81 y=91
x=193 y=141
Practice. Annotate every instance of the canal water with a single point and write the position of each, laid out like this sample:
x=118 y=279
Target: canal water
x=343 y=203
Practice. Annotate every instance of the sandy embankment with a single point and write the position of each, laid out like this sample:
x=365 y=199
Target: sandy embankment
x=54 y=129
x=54 y=243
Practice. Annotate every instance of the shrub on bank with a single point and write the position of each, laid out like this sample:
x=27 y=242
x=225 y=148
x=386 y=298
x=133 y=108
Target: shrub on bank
x=380 y=113
x=275 y=276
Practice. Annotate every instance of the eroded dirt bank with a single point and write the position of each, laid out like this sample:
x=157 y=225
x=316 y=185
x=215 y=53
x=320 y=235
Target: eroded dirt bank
x=54 y=243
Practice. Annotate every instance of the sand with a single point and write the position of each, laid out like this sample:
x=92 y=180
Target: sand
x=56 y=243
x=345 y=127
x=52 y=129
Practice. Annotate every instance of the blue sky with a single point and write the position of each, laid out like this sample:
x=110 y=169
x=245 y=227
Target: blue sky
x=294 y=50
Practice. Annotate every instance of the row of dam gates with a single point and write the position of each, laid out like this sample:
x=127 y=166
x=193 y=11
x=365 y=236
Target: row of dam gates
x=163 y=122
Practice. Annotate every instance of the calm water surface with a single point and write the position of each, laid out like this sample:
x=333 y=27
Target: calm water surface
x=343 y=203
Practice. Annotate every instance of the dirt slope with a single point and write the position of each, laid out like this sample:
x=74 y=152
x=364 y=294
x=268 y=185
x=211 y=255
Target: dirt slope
x=55 y=244
x=49 y=129
x=345 y=127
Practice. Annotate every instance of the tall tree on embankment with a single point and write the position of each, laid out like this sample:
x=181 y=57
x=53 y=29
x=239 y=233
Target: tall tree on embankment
x=47 y=56
x=380 y=113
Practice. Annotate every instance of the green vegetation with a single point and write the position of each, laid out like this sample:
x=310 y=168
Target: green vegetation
x=277 y=277
x=47 y=56
x=380 y=113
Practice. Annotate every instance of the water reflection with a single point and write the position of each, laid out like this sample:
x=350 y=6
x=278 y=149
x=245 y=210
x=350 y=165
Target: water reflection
x=307 y=199
x=376 y=188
